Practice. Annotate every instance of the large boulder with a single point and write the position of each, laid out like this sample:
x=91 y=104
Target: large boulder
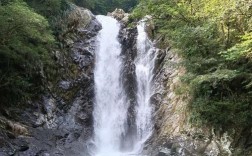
x=149 y=26
x=79 y=17
x=120 y=15
x=77 y=23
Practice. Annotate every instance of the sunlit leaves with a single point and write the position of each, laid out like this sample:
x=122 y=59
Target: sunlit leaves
x=215 y=40
x=240 y=50
x=18 y=18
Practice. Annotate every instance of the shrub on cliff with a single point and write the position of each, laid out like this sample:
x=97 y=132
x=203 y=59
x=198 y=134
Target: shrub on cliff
x=25 y=41
x=214 y=38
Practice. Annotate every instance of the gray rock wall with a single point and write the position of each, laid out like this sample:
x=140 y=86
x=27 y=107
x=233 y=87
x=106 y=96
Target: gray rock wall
x=59 y=122
x=128 y=38
x=173 y=132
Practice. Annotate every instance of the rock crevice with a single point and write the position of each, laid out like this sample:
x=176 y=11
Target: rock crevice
x=60 y=122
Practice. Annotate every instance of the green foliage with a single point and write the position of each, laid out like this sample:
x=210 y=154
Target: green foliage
x=104 y=6
x=222 y=99
x=49 y=8
x=85 y=3
x=240 y=50
x=25 y=39
x=222 y=113
x=214 y=38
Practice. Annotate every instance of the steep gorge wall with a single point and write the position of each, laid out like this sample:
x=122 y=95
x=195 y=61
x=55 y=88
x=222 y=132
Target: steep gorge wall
x=60 y=121
x=128 y=39
x=174 y=134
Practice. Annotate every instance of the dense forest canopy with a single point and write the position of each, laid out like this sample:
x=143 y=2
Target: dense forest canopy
x=96 y=6
x=25 y=40
x=215 y=39
x=28 y=35
x=104 y=6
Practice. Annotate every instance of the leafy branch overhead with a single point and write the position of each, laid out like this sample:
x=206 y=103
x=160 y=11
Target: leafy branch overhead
x=30 y=31
x=214 y=38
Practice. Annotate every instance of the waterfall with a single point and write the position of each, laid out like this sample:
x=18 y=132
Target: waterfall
x=144 y=72
x=110 y=109
x=111 y=103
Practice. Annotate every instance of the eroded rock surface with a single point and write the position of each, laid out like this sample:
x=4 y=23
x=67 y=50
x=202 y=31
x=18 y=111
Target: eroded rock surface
x=60 y=122
x=120 y=15
x=128 y=40
x=174 y=134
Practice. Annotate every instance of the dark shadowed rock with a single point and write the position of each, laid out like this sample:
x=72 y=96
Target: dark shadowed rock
x=128 y=38
x=60 y=122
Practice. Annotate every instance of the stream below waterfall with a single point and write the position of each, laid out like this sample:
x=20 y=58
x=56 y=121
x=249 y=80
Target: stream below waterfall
x=111 y=103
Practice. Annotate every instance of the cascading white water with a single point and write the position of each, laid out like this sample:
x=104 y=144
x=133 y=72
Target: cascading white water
x=111 y=103
x=110 y=109
x=144 y=72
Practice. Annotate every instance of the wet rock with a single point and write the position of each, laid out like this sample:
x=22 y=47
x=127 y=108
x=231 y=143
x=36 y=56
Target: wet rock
x=162 y=154
x=3 y=153
x=23 y=148
x=12 y=153
x=59 y=123
x=118 y=14
x=65 y=85
x=128 y=38
x=160 y=56
x=155 y=100
x=93 y=27
x=2 y=142
x=173 y=133
x=79 y=18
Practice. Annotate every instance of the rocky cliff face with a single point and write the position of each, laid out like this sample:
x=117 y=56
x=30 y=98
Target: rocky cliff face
x=128 y=40
x=173 y=133
x=59 y=122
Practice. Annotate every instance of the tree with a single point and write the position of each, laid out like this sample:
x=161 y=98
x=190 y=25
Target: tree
x=214 y=38
x=104 y=6
x=25 y=40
